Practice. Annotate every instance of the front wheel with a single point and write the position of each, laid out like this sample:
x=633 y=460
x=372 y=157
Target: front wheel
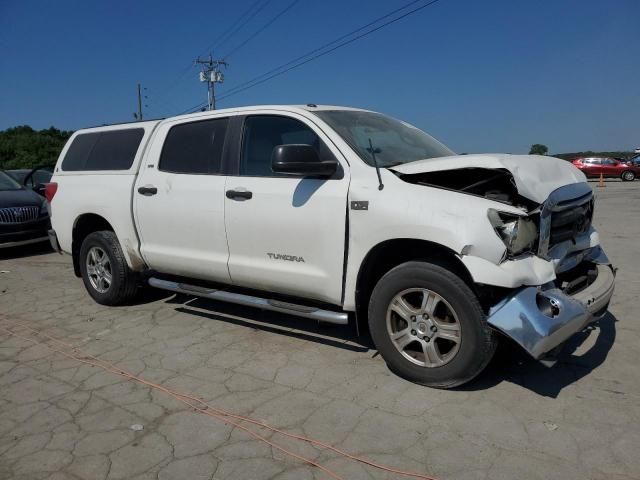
x=105 y=272
x=628 y=176
x=428 y=326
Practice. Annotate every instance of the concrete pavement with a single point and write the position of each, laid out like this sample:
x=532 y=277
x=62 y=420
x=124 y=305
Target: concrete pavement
x=60 y=419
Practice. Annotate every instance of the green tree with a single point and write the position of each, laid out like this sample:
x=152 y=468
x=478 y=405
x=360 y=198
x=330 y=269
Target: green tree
x=24 y=147
x=538 y=149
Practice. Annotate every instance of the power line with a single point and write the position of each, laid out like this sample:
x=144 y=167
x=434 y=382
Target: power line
x=329 y=44
x=192 y=109
x=228 y=33
x=261 y=29
x=240 y=23
x=234 y=28
x=175 y=83
x=322 y=50
x=160 y=109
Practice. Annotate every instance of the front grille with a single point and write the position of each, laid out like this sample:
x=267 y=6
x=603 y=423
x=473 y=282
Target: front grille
x=13 y=215
x=571 y=223
x=565 y=215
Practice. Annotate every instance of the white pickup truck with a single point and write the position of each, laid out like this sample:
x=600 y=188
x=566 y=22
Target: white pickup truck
x=338 y=215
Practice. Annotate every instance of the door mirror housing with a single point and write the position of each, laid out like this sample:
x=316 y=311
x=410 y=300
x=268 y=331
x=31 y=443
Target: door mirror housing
x=301 y=160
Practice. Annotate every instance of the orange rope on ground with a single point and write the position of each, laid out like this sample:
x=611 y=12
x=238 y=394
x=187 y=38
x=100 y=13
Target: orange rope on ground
x=204 y=408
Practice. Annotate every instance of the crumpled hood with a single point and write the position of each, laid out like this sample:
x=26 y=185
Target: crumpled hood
x=536 y=176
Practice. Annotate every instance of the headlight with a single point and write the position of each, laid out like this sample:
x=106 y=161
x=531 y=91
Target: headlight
x=518 y=233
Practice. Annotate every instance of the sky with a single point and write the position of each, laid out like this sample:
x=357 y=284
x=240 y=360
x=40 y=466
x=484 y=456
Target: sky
x=479 y=75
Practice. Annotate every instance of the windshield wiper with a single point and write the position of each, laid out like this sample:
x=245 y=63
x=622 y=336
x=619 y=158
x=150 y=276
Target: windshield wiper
x=373 y=152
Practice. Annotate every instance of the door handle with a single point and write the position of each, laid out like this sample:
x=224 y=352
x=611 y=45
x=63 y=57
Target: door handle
x=240 y=195
x=148 y=190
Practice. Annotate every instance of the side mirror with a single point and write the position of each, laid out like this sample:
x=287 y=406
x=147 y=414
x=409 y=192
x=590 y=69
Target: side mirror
x=301 y=160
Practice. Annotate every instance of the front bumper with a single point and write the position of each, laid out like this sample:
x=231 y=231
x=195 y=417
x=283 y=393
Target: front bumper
x=14 y=235
x=539 y=319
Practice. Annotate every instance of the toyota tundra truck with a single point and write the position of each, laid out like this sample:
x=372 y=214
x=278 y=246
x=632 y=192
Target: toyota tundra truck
x=338 y=215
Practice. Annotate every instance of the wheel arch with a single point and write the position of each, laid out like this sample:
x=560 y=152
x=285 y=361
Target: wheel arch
x=390 y=253
x=626 y=171
x=84 y=225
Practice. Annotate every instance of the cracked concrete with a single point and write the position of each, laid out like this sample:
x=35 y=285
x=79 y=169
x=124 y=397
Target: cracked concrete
x=60 y=419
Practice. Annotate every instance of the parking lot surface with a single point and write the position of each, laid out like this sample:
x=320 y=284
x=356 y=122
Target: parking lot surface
x=64 y=419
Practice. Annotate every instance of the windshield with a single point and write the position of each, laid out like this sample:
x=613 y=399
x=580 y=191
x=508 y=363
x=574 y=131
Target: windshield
x=394 y=142
x=17 y=175
x=8 y=183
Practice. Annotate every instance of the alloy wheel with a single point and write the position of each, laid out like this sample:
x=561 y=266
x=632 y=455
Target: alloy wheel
x=99 y=269
x=423 y=327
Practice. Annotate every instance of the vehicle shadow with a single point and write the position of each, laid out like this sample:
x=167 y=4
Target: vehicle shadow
x=35 y=249
x=338 y=336
x=512 y=364
x=148 y=295
x=304 y=190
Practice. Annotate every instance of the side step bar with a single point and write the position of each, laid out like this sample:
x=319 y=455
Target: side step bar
x=340 y=318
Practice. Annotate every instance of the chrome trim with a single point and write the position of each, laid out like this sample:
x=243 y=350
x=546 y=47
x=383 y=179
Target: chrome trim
x=593 y=255
x=13 y=215
x=520 y=318
x=563 y=198
x=340 y=318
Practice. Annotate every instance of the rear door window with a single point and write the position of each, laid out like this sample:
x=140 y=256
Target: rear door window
x=78 y=152
x=194 y=147
x=106 y=150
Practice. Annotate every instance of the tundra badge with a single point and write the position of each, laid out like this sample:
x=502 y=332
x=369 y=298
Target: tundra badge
x=282 y=256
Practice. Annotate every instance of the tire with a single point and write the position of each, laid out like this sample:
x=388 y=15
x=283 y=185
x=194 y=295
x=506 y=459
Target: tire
x=628 y=176
x=103 y=248
x=454 y=306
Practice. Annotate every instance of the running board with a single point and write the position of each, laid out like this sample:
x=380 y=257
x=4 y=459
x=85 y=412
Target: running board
x=340 y=318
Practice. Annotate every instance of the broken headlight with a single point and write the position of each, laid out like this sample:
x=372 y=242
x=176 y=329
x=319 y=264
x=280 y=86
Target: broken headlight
x=518 y=233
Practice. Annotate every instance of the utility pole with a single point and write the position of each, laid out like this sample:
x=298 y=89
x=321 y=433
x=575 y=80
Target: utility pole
x=211 y=74
x=138 y=116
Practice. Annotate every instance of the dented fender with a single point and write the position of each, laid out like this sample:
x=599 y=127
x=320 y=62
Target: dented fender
x=530 y=270
x=406 y=211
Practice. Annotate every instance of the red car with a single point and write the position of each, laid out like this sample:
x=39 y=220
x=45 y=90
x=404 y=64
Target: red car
x=608 y=167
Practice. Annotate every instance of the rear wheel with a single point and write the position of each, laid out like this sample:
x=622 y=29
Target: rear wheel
x=628 y=176
x=105 y=272
x=428 y=326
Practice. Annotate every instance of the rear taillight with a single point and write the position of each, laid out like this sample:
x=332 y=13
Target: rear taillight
x=50 y=190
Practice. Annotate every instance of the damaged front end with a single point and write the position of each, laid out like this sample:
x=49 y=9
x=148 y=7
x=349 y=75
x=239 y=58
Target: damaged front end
x=553 y=234
x=540 y=318
x=491 y=183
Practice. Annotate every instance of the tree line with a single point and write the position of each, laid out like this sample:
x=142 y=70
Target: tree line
x=24 y=147
x=540 y=149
